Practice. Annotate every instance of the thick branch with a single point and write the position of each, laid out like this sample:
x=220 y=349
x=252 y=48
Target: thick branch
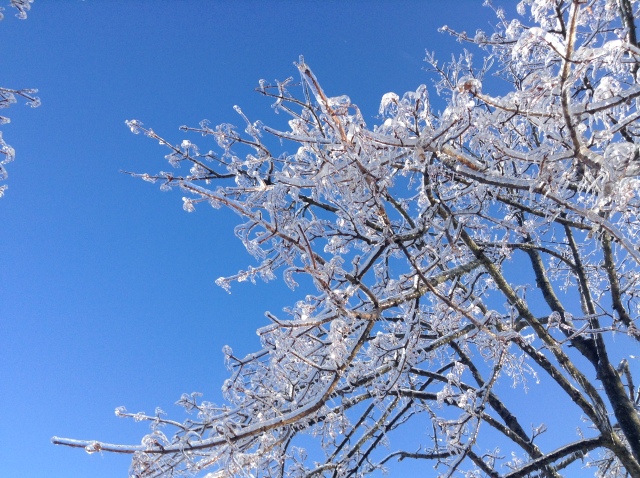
x=614 y=284
x=578 y=449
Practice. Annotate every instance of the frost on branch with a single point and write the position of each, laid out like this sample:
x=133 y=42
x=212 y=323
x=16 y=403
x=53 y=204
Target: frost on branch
x=459 y=258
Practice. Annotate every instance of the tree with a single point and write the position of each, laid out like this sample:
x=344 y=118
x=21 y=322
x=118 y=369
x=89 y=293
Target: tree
x=8 y=97
x=409 y=232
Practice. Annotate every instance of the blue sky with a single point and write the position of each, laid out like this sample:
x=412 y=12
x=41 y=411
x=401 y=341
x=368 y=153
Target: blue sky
x=107 y=293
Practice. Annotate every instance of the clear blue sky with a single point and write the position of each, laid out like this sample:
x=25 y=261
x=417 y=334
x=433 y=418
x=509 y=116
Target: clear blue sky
x=107 y=293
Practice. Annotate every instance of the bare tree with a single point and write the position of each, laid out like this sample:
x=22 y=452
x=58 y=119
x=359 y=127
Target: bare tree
x=409 y=231
x=8 y=97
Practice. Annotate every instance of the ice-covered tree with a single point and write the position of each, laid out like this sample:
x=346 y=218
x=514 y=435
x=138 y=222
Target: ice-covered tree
x=454 y=252
x=8 y=97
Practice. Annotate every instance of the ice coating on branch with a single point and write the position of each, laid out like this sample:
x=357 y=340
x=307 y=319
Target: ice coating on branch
x=134 y=126
x=389 y=101
x=93 y=447
x=7 y=98
x=339 y=101
x=607 y=88
x=187 y=204
x=9 y=155
x=469 y=84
